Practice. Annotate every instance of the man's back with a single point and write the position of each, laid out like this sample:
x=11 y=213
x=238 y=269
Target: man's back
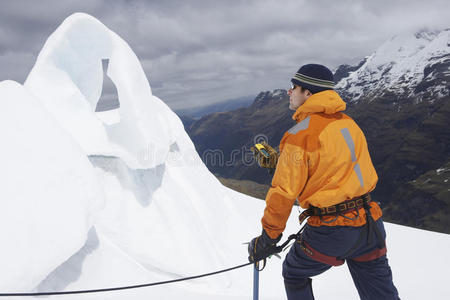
x=324 y=161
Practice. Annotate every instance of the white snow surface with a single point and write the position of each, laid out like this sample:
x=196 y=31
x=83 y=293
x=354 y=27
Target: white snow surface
x=50 y=191
x=82 y=210
x=398 y=64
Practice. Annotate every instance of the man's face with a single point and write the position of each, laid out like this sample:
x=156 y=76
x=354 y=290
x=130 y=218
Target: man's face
x=297 y=97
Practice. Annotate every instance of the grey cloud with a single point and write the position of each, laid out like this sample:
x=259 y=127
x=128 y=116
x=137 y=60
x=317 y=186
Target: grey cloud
x=15 y=66
x=201 y=52
x=24 y=28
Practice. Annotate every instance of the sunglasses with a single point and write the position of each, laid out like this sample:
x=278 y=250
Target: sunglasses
x=292 y=86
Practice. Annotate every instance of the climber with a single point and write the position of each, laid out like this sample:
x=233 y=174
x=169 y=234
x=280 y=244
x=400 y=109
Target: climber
x=324 y=164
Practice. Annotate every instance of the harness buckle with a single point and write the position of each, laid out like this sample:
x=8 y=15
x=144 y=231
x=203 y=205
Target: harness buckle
x=331 y=209
x=359 y=202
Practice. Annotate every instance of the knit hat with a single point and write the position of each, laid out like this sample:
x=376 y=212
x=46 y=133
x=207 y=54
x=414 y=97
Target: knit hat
x=313 y=77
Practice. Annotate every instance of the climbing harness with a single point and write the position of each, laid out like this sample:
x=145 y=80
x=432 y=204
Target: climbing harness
x=335 y=210
x=369 y=229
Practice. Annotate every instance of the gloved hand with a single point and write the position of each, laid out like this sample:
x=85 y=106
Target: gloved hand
x=265 y=155
x=262 y=246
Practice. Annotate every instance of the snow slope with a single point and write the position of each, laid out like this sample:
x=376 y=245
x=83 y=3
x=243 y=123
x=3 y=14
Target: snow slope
x=49 y=195
x=122 y=197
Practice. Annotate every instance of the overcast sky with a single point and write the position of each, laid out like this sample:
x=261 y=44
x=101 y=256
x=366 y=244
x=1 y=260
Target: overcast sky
x=201 y=52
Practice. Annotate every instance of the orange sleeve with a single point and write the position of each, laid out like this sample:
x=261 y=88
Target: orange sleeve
x=287 y=183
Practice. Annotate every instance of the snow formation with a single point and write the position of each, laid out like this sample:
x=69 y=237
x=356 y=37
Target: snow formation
x=95 y=200
x=49 y=192
x=70 y=88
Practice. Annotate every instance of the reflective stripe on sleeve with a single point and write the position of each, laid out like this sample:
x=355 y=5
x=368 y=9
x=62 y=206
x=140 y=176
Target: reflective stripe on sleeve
x=303 y=125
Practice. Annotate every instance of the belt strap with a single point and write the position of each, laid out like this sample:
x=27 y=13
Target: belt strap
x=339 y=208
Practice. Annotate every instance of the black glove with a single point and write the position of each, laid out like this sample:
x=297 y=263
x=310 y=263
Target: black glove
x=262 y=246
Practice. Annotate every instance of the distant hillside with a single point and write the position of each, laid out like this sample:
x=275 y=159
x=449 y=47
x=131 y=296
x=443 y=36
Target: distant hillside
x=248 y=187
x=407 y=141
x=428 y=192
x=187 y=121
x=224 y=139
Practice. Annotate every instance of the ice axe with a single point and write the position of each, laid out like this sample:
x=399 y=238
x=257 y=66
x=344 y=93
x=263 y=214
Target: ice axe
x=256 y=271
x=255 y=281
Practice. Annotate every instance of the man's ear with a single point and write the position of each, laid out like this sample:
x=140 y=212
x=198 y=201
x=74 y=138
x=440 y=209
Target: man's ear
x=308 y=93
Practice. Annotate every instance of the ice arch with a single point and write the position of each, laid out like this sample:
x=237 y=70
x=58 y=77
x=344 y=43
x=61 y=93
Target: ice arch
x=67 y=78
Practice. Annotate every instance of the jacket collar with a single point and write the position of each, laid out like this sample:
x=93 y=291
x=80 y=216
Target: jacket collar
x=328 y=102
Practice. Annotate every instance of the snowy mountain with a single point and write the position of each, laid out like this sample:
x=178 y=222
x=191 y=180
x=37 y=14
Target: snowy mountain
x=407 y=65
x=94 y=200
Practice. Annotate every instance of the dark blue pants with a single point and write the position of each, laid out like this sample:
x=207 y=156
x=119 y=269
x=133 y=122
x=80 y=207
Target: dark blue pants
x=373 y=279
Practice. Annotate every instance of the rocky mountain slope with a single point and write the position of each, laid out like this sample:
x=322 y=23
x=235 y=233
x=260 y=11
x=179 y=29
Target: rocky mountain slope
x=223 y=139
x=400 y=97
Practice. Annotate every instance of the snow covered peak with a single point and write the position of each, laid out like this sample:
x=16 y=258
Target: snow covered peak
x=264 y=97
x=67 y=78
x=427 y=34
x=399 y=65
x=278 y=93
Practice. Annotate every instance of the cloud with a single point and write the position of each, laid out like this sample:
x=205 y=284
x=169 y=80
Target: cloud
x=201 y=52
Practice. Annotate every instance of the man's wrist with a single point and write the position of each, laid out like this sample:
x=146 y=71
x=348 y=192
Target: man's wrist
x=270 y=240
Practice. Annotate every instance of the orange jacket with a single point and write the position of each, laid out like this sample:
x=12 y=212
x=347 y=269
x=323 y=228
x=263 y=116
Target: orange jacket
x=324 y=160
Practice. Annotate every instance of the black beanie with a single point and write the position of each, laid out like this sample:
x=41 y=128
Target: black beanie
x=313 y=77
